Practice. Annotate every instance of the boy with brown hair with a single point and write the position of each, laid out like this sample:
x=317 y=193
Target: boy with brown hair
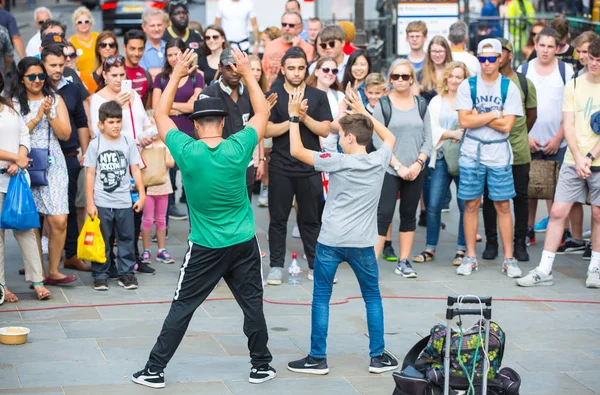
x=416 y=36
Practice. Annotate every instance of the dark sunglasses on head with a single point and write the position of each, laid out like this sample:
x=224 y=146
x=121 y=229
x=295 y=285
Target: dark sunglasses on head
x=491 y=59
x=41 y=22
x=107 y=45
x=33 y=77
x=290 y=25
x=326 y=70
x=81 y=22
x=71 y=55
x=214 y=37
x=330 y=43
x=396 y=77
x=113 y=59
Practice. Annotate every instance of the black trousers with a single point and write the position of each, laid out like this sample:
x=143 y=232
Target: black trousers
x=73 y=169
x=240 y=266
x=309 y=196
x=410 y=195
x=520 y=206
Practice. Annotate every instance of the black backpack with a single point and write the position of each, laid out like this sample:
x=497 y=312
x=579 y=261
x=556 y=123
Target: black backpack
x=386 y=108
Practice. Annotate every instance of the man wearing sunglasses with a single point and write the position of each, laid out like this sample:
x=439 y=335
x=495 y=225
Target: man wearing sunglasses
x=180 y=18
x=487 y=106
x=331 y=42
x=40 y=16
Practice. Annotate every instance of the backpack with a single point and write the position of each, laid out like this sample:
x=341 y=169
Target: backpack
x=386 y=108
x=561 y=70
x=163 y=81
x=523 y=82
x=504 y=84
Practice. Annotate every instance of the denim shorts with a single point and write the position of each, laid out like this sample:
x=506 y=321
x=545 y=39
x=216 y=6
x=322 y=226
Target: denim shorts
x=473 y=180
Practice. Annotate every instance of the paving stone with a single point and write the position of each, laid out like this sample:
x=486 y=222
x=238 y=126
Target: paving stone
x=297 y=385
x=237 y=345
x=51 y=350
x=36 y=391
x=340 y=365
x=8 y=376
x=554 y=360
x=41 y=330
x=338 y=344
x=550 y=383
x=204 y=388
x=70 y=314
x=112 y=328
x=373 y=385
x=140 y=312
x=87 y=295
x=588 y=378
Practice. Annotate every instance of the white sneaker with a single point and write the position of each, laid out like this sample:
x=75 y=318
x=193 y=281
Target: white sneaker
x=263 y=198
x=593 y=278
x=44 y=245
x=275 y=275
x=296 y=232
x=534 y=278
x=311 y=276
x=467 y=266
x=511 y=268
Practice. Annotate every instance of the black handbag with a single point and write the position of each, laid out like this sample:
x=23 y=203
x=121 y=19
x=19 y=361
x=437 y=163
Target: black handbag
x=38 y=172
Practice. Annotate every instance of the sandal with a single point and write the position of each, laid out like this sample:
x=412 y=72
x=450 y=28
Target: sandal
x=425 y=256
x=43 y=293
x=22 y=271
x=9 y=297
x=458 y=258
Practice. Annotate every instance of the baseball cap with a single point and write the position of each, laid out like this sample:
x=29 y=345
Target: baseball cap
x=53 y=38
x=207 y=106
x=227 y=57
x=506 y=44
x=489 y=42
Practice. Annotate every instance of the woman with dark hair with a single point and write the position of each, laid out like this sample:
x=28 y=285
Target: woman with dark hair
x=46 y=117
x=210 y=50
x=357 y=70
x=438 y=56
x=14 y=147
x=530 y=45
x=106 y=45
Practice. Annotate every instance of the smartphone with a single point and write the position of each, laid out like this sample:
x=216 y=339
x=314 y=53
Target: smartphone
x=126 y=85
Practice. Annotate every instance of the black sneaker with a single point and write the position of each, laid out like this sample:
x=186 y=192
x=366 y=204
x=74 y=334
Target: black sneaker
x=491 y=251
x=520 y=251
x=389 y=254
x=175 y=214
x=144 y=268
x=587 y=254
x=571 y=246
x=100 y=285
x=309 y=365
x=149 y=378
x=566 y=236
x=261 y=374
x=383 y=363
x=128 y=282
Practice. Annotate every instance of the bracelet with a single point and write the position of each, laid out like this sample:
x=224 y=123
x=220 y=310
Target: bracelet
x=421 y=162
x=263 y=159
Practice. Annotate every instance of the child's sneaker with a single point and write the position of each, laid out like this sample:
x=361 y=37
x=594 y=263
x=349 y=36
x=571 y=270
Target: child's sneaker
x=128 y=282
x=146 y=256
x=100 y=285
x=164 y=257
x=144 y=268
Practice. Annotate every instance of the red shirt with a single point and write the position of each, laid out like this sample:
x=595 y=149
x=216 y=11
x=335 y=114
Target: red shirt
x=349 y=48
x=139 y=81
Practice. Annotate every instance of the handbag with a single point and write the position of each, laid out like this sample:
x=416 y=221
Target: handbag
x=155 y=172
x=451 y=155
x=38 y=172
x=543 y=177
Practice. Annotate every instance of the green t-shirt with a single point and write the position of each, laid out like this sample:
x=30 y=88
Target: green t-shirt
x=215 y=186
x=518 y=137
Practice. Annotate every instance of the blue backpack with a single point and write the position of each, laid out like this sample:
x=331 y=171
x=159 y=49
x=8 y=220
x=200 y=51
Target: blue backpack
x=504 y=83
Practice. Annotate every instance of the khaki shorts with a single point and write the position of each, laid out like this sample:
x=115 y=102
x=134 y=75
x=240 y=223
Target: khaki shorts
x=80 y=197
x=268 y=142
x=572 y=189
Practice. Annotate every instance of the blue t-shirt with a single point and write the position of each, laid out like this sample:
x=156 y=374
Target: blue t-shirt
x=490 y=10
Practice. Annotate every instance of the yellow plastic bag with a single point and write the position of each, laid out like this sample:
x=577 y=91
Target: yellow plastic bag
x=90 y=244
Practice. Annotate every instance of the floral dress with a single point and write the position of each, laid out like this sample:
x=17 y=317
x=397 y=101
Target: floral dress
x=51 y=199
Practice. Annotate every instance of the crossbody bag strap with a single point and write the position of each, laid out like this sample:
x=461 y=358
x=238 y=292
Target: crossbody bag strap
x=132 y=123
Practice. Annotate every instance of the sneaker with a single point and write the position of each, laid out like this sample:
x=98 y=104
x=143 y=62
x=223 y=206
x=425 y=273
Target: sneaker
x=446 y=210
x=44 y=245
x=263 y=198
x=149 y=379
x=261 y=374
x=491 y=251
x=128 y=281
x=535 y=278
x=146 y=256
x=389 y=254
x=176 y=215
x=542 y=225
x=587 y=235
x=296 y=232
x=587 y=254
x=593 y=278
x=383 y=363
x=566 y=236
x=405 y=269
x=530 y=238
x=309 y=365
x=1 y=294
x=571 y=246
x=164 y=257
x=520 y=251
x=100 y=285
x=511 y=268
x=274 y=277
x=311 y=276
x=467 y=266
x=144 y=268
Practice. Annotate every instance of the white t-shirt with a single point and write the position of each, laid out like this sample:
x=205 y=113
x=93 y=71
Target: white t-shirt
x=140 y=118
x=33 y=45
x=235 y=16
x=489 y=98
x=469 y=60
x=549 y=90
x=335 y=99
x=14 y=134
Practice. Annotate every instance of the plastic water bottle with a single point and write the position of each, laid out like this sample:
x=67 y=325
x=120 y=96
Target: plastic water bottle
x=135 y=195
x=294 y=277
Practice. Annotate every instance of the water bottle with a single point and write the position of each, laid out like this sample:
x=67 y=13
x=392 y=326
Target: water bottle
x=294 y=277
x=135 y=195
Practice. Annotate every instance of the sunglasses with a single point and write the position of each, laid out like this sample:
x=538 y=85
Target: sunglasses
x=108 y=45
x=396 y=77
x=111 y=60
x=33 y=77
x=214 y=37
x=326 y=70
x=71 y=55
x=83 y=21
x=290 y=25
x=491 y=59
x=42 y=22
x=330 y=43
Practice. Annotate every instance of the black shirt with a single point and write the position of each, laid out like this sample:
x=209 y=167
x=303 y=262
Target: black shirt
x=72 y=76
x=282 y=161
x=209 y=72
x=240 y=112
x=192 y=38
x=71 y=95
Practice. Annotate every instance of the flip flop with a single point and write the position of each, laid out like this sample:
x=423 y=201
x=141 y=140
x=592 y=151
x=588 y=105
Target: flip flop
x=458 y=258
x=425 y=256
x=41 y=296
x=64 y=281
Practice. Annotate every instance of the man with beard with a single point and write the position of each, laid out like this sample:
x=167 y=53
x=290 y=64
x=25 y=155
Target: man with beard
x=288 y=176
x=291 y=26
x=180 y=17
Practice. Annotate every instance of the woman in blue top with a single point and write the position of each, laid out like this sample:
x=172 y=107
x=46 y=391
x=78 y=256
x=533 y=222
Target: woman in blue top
x=357 y=70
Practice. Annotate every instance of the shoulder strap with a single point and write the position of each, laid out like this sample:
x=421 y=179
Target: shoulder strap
x=411 y=357
x=524 y=68
x=162 y=82
x=132 y=121
x=193 y=77
x=473 y=86
x=562 y=71
x=524 y=87
x=386 y=109
x=422 y=106
x=504 y=84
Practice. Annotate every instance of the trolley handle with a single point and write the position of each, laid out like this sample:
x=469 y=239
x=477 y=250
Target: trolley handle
x=487 y=300
x=453 y=312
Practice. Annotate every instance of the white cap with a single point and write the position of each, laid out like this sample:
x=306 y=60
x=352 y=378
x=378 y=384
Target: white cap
x=495 y=44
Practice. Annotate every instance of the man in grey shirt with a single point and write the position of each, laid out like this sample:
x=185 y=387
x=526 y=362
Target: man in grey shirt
x=349 y=228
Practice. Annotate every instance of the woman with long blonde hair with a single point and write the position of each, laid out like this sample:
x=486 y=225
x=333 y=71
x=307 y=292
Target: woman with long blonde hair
x=438 y=56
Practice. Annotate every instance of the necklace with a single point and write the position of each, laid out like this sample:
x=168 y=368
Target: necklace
x=209 y=137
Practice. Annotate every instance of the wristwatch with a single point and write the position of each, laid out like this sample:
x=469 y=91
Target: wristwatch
x=295 y=119
x=589 y=155
x=397 y=166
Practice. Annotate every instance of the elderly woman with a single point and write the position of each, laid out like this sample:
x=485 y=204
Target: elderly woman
x=84 y=40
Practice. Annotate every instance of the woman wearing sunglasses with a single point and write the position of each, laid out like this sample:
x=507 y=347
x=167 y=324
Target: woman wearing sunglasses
x=412 y=127
x=71 y=58
x=46 y=117
x=210 y=52
x=530 y=45
x=106 y=46
x=356 y=72
x=84 y=40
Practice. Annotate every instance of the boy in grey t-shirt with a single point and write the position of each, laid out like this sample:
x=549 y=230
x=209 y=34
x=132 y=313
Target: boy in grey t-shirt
x=349 y=227
x=107 y=183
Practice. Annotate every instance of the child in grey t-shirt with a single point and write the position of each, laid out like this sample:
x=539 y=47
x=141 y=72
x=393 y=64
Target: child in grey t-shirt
x=108 y=161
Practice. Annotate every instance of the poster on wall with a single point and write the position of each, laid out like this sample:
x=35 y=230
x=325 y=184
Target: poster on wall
x=438 y=15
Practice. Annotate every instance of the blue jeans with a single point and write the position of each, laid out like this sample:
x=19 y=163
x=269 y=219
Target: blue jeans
x=364 y=264
x=440 y=182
